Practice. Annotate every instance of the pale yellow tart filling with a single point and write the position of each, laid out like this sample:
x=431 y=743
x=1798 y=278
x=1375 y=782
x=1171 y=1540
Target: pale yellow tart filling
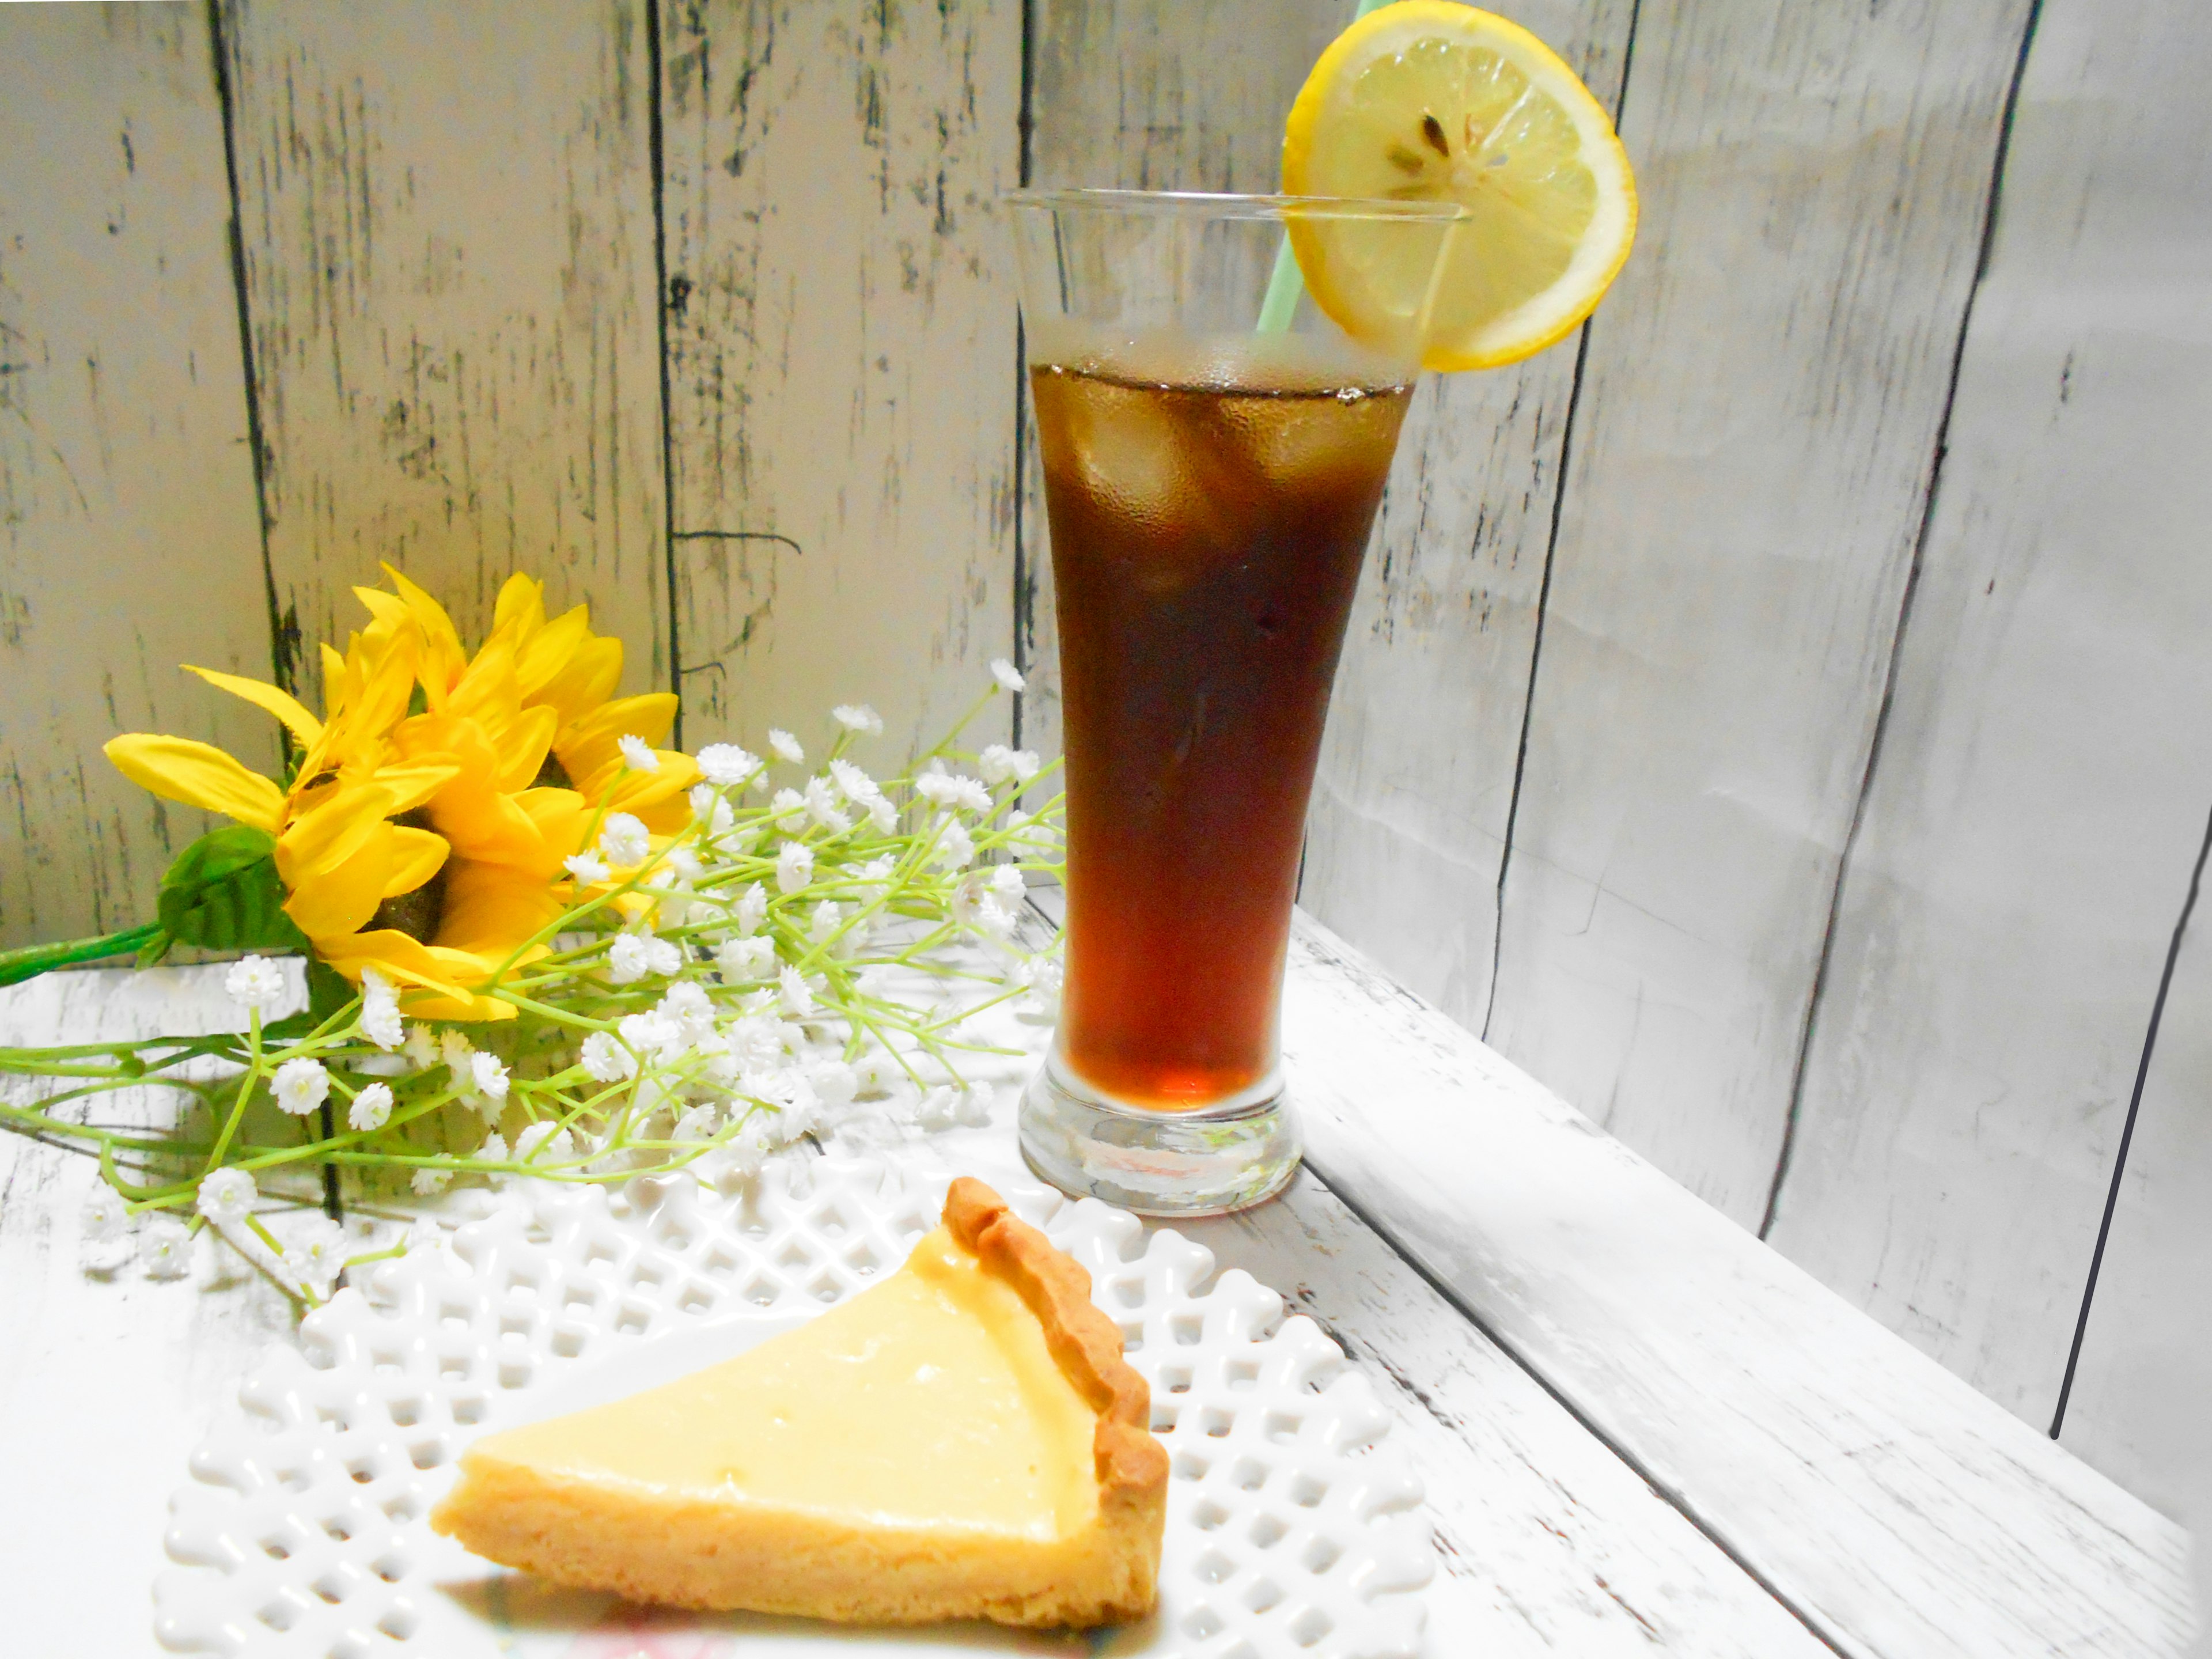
x=963 y=1440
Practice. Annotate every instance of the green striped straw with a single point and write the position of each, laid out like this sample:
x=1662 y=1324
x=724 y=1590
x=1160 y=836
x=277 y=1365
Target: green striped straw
x=1286 y=284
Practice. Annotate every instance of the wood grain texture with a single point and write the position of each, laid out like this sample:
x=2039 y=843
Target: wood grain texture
x=1760 y=399
x=1411 y=803
x=2041 y=790
x=449 y=253
x=129 y=539
x=2137 y=1407
x=107 y=1377
x=1896 y=1510
x=842 y=325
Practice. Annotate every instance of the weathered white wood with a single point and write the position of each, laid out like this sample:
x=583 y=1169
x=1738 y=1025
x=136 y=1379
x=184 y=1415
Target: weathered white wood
x=2040 y=791
x=2137 y=1410
x=449 y=252
x=1897 y=1510
x=107 y=1377
x=841 y=360
x=129 y=539
x=1759 y=406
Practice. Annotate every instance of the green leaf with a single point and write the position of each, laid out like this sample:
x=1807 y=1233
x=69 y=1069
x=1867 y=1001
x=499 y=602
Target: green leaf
x=223 y=893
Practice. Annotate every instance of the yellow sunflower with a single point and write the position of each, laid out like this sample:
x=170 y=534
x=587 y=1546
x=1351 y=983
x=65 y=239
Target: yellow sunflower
x=337 y=850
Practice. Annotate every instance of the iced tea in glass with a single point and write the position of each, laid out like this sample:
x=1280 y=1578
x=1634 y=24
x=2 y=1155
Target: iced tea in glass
x=1210 y=486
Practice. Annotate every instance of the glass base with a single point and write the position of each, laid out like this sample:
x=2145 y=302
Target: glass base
x=1212 y=1162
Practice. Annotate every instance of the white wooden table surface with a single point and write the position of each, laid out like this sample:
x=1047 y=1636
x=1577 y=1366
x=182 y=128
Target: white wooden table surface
x=1642 y=1431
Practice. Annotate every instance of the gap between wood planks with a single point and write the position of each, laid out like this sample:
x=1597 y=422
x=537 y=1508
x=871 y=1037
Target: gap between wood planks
x=1990 y=202
x=2128 y=1128
x=1544 y=586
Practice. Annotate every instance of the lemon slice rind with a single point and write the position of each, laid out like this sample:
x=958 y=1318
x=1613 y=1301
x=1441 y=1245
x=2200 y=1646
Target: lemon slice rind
x=1327 y=151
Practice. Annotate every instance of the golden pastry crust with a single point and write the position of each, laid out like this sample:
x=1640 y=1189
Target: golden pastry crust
x=1132 y=1464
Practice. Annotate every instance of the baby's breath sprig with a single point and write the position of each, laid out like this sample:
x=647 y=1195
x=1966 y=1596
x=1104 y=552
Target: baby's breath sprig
x=810 y=947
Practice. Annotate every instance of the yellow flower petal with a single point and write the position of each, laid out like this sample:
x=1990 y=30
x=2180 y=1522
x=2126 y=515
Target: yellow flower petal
x=524 y=748
x=490 y=909
x=286 y=707
x=547 y=653
x=589 y=746
x=443 y=659
x=588 y=680
x=412 y=784
x=440 y=978
x=199 y=774
x=417 y=855
x=521 y=605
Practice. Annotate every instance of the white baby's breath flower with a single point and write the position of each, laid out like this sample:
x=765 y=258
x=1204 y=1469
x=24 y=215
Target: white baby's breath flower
x=752 y=907
x=851 y=782
x=694 y=1124
x=555 y=1143
x=315 y=1254
x=796 y=994
x=427 y=1181
x=827 y=917
x=380 y=1010
x=794 y=867
x=105 y=1215
x=225 y=1195
x=1006 y=674
x=301 y=1085
x=883 y=815
x=999 y=764
x=956 y=848
x=664 y=957
x=488 y=1074
x=422 y=1047
x=255 y=982
x=605 y=1059
x=588 y=869
x=787 y=811
x=938 y=1109
x=1009 y=884
x=494 y=1150
x=637 y=754
x=652 y=1033
x=786 y=745
x=625 y=840
x=165 y=1247
x=951 y=789
x=742 y=960
x=626 y=959
x=859 y=717
x=834 y=1082
x=685 y=863
x=822 y=806
x=689 y=1006
x=724 y=763
x=371 y=1108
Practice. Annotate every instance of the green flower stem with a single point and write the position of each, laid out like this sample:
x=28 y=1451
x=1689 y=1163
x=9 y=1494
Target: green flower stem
x=31 y=960
x=245 y=1090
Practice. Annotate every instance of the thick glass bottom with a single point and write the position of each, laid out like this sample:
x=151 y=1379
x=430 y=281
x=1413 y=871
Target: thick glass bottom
x=1214 y=1162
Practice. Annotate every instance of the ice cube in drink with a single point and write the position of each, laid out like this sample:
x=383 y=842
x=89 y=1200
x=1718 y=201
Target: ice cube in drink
x=1209 y=503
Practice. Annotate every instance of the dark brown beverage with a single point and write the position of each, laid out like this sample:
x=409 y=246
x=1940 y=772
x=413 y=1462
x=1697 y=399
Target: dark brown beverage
x=1205 y=545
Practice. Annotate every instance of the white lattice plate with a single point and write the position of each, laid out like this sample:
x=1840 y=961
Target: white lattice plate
x=1290 y=1532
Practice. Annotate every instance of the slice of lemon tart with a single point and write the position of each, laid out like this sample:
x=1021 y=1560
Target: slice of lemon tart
x=963 y=1440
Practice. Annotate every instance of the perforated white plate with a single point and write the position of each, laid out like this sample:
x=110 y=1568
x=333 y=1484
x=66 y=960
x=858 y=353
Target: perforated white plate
x=302 y=1533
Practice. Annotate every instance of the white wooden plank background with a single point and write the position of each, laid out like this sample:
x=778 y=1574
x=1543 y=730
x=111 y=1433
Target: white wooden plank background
x=842 y=359
x=449 y=253
x=2041 y=789
x=1759 y=409
x=129 y=539
x=2137 y=1405
x=1893 y=1508
x=1415 y=790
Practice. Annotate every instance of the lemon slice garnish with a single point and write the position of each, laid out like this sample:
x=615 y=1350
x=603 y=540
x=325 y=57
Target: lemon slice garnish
x=1427 y=101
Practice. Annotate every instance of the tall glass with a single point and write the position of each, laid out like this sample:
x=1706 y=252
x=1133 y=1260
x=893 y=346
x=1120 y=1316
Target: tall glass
x=1214 y=447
